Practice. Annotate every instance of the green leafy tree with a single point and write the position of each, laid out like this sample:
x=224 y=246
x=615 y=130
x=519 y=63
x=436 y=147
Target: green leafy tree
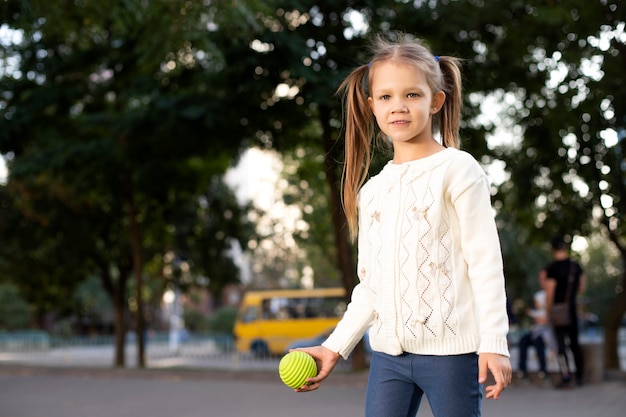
x=94 y=306
x=307 y=49
x=554 y=70
x=309 y=189
x=603 y=268
x=543 y=81
x=113 y=116
x=15 y=313
x=273 y=68
x=207 y=227
x=558 y=68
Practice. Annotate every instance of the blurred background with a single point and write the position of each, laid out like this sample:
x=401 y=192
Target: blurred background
x=160 y=160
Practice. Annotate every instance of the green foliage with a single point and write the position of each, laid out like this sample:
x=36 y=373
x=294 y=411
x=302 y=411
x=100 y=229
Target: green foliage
x=223 y=321
x=45 y=258
x=522 y=261
x=15 y=313
x=149 y=102
x=93 y=305
x=602 y=270
x=196 y=321
x=113 y=118
x=565 y=85
x=555 y=71
x=309 y=190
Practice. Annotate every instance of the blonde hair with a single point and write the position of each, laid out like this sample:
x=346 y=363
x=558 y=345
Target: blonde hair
x=442 y=73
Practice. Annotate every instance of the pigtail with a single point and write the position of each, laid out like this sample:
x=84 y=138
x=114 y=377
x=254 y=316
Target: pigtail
x=359 y=128
x=450 y=113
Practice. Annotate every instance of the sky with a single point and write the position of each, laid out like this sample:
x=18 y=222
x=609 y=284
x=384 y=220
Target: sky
x=3 y=172
x=255 y=176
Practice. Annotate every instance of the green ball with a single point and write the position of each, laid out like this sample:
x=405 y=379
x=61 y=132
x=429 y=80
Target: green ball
x=295 y=367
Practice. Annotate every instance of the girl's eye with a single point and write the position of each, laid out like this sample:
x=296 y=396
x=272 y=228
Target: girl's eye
x=385 y=97
x=412 y=95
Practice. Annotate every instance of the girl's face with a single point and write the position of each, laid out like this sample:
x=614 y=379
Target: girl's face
x=403 y=103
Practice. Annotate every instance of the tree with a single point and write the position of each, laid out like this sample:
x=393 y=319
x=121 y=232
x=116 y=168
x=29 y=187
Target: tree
x=207 y=227
x=568 y=87
x=306 y=51
x=14 y=311
x=138 y=75
x=555 y=71
x=308 y=190
x=533 y=58
x=106 y=115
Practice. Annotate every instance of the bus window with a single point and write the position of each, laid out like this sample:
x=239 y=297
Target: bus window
x=249 y=315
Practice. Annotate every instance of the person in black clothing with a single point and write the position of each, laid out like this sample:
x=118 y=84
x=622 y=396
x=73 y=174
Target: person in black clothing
x=557 y=275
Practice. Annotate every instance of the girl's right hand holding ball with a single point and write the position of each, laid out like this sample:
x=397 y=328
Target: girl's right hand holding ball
x=326 y=361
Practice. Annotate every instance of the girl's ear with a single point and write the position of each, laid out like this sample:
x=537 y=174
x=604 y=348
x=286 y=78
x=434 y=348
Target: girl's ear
x=437 y=102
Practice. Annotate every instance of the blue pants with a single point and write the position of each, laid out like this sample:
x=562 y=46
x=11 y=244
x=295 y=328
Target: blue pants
x=397 y=383
x=540 y=347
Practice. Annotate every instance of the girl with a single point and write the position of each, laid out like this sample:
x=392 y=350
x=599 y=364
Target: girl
x=431 y=288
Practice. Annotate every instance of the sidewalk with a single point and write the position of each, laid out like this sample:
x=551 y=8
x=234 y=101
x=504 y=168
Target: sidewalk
x=29 y=391
x=80 y=382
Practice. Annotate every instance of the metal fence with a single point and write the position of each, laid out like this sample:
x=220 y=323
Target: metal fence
x=208 y=351
x=211 y=351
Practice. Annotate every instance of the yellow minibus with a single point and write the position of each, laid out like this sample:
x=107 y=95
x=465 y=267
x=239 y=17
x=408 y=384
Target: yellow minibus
x=268 y=321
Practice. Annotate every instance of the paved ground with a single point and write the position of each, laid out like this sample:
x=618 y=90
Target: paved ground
x=79 y=382
x=35 y=391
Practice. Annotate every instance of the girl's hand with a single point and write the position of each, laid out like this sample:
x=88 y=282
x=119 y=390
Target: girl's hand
x=500 y=368
x=326 y=360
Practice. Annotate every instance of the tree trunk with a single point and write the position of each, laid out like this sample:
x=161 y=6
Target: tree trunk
x=135 y=236
x=345 y=258
x=614 y=317
x=117 y=294
x=119 y=359
x=615 y=313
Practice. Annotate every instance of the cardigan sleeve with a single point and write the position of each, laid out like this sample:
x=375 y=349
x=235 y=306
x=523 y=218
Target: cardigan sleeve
x=480 y=245
x=353 y=325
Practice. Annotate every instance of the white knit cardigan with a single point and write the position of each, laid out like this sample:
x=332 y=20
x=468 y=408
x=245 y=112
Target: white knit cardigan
x=429 y=262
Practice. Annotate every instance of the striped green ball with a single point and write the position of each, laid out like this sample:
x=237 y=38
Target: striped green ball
x=295 y=367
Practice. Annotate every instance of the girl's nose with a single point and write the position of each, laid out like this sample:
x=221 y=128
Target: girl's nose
x=400 y=107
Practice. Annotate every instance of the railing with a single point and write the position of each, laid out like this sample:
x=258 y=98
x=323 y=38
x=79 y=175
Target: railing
x=191 y=351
